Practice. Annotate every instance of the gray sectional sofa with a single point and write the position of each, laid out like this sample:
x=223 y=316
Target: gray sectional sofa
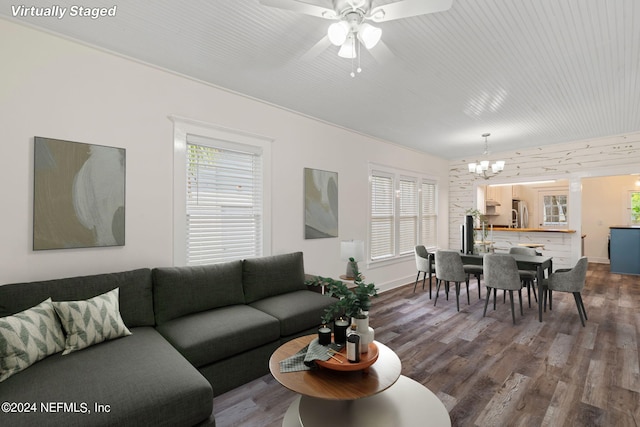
x=196 y=332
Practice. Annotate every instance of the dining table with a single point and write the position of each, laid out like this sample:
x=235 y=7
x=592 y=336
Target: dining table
x=539 y=263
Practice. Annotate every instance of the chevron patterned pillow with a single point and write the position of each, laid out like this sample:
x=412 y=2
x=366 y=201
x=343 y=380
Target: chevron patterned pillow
x=27 y=337
x=92 y=321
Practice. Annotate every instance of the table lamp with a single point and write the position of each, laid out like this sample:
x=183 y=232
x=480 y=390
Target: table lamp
x=351 y=249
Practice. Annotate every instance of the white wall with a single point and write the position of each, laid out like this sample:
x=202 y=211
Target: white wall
x=605 y=204
x=56 y=88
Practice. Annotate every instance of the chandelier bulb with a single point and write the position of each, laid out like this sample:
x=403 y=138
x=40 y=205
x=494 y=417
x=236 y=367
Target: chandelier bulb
x=353 y=74
x=359 y=70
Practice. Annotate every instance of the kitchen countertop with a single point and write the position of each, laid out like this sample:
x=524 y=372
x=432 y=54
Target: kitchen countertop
x=622 y=226
x=529 y=230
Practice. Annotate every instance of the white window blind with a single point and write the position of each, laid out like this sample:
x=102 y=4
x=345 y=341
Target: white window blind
x=403 y=213
x=382 y=217
x=224 y=202
x=408 y=221
x=429 y=216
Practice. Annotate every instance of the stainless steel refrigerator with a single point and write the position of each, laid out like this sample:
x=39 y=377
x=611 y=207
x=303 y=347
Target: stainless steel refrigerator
x=519 y=214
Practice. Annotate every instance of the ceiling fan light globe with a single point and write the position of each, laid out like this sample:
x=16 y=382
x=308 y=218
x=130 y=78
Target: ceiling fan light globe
x=338 y=32
x=348 y=50
x=369 y=35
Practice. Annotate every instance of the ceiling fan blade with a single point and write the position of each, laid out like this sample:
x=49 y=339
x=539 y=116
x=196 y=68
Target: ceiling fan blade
x=317 y=49
x=304 y=8
x=407 y=8
x=381 y=53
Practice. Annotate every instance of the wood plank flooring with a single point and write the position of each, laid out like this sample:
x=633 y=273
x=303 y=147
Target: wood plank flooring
x=489 y=372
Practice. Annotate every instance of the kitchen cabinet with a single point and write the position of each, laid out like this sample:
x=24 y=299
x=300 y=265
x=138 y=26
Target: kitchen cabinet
x=498 y=204
x=492 y=208
x=625 y=250
x=516 y=192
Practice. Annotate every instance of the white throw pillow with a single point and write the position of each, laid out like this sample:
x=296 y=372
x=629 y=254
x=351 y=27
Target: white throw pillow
x=92 y=321
x=27 y=337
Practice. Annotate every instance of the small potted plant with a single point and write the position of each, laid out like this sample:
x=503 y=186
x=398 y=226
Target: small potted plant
x=351 y=303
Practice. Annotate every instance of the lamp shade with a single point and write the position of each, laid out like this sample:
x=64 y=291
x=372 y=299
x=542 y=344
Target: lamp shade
x=352 y=249
x=369 y=35
x=338 y=32
x=348 y=48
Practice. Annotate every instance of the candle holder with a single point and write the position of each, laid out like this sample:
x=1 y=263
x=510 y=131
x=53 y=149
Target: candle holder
x=340 y=326
x=324 y=335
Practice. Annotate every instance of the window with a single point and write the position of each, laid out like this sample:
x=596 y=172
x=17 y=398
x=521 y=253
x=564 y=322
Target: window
x=555 y=209
x=219 y=196
x=634 y=199
x=224 y=204
x=408 y=199
x=382 y=217
x=429 y=226
x=403 y=213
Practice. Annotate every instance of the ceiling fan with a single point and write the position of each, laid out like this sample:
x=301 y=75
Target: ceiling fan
x=351 y=29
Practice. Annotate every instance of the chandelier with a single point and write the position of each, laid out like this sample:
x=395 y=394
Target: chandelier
x=482 y=168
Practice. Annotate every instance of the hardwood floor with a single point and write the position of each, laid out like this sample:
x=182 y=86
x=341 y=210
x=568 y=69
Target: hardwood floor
x=489 y=372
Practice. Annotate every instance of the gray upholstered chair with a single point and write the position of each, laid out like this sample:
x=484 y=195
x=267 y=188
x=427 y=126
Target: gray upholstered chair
x=422 y=264
x=568 y=280
x=527 y=277
x=449 y=268
x=476 y=271
x=501 y=272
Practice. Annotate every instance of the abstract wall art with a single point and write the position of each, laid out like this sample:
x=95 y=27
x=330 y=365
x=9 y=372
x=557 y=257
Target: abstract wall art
x=78 y=196
x=320 y=204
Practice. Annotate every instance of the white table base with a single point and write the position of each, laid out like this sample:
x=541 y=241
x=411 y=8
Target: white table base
x=407 y=403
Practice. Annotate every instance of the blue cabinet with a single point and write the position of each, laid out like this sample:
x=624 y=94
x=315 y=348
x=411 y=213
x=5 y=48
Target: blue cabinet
x=625 y=250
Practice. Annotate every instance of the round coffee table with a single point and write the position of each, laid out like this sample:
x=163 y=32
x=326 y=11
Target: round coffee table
x=336 y=385
x=380 y=397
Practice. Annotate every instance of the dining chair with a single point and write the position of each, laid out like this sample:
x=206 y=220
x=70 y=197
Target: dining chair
x=568 y=280
x=527 y=277
x=449 y=268
x=501 y=272
x=422 y=264
x=476 y=271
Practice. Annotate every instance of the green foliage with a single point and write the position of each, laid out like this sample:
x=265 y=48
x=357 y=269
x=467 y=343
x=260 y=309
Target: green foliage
x=635 y=207
x=479 y=219
x=353 y=302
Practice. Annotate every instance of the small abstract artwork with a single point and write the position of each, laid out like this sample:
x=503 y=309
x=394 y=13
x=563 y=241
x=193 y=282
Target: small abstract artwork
x=320 y=204
x=78 y=195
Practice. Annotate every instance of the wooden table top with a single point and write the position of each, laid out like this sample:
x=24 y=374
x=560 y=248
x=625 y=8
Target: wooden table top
x=532 y=245
x=336 y=385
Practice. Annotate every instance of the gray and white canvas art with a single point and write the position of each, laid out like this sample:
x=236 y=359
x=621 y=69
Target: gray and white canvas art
x=320 y=204
x=79 y=195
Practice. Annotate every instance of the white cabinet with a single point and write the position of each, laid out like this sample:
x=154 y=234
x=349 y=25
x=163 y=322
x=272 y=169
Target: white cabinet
x=492 y=207
x=516 y=192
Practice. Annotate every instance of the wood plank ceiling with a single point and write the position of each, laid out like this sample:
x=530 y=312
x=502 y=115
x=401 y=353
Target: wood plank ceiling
x=530 y=72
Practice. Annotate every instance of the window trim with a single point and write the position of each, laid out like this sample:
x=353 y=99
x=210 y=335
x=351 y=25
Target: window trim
x=397 y=174
x=230 y=138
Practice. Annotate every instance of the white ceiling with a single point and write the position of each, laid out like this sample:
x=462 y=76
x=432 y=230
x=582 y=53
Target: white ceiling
x=530 y=72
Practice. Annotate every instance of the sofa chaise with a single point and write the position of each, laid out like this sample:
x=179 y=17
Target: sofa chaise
x=194 y=332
